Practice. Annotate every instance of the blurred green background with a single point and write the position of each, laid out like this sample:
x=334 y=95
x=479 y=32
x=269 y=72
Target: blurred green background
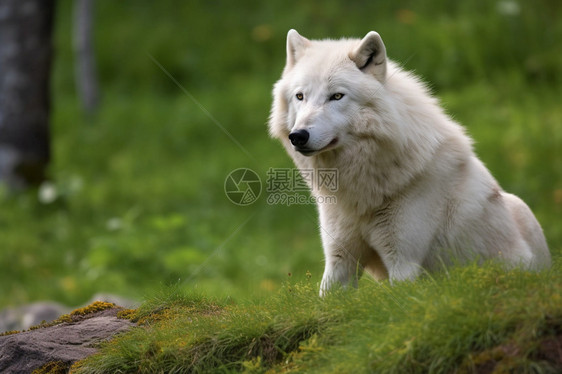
x=137 y=199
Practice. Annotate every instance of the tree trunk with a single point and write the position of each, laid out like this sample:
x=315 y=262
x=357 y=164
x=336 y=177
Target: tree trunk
x=86 y=80
x=25 y=64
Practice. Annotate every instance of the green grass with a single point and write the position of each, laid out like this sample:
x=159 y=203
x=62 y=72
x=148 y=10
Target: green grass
x=452 y=321
x=139 y=197
x=139 y=204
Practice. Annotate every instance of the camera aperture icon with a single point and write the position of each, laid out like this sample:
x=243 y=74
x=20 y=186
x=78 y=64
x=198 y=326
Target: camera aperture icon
x=242 y=186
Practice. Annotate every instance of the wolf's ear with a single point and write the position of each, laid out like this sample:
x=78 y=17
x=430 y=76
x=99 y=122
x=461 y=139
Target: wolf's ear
x=370 y=55
x=296 y=45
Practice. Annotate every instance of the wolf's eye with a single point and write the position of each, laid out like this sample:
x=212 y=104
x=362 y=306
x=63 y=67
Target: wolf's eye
x=336 y=96
x=299 y=96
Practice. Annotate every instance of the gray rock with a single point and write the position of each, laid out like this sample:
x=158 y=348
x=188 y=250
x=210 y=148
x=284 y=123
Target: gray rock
x=23 y=317
x=66 y=342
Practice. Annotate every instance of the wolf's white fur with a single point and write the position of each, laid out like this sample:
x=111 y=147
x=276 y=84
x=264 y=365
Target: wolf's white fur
x=412 y=194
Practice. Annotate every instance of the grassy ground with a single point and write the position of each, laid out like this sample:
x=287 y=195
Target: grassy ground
x=137 y=200
x=464 y=321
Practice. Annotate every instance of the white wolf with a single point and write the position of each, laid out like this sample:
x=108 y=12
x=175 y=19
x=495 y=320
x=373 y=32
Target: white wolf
x=412 y=194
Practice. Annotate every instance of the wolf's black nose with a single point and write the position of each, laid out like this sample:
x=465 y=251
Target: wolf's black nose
x=299 y=138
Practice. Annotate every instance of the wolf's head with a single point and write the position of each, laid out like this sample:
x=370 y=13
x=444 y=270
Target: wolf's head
x=327 y=86
x=347 y=105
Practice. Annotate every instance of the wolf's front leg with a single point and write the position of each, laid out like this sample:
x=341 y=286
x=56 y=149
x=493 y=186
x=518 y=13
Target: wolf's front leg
x=343 y=249
x=341 y=269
